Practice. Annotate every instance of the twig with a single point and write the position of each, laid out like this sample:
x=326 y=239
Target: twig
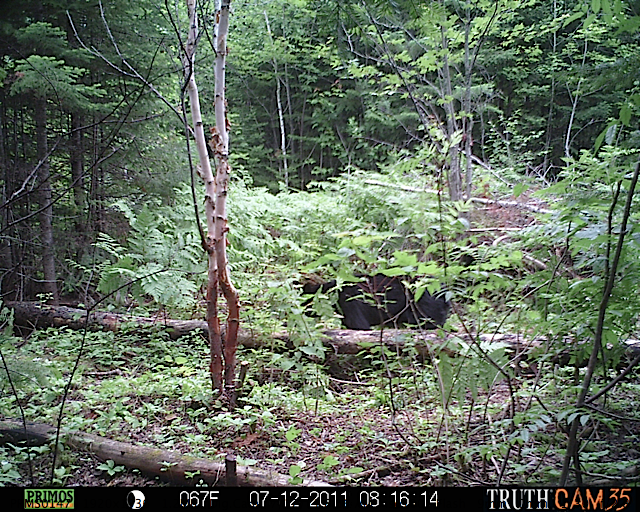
x=481 y=200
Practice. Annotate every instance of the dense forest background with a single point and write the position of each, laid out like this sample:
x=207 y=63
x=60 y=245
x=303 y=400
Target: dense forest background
x=316 y=90
x=364 y=135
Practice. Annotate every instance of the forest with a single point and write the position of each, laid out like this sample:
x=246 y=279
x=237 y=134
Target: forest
x=319 y=242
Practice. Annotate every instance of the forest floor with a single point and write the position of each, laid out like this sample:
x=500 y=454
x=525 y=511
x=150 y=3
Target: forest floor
x=379 y=444
x=415 y=446
x=335 y=423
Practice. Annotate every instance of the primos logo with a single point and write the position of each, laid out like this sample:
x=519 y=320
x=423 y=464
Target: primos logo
x=48 y=498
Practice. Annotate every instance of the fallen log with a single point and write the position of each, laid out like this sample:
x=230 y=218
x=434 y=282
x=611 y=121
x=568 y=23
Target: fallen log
x=35 y=315
x=169 y=466
x=32 y=315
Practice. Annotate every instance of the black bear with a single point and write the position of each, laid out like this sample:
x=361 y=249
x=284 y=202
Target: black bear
x=379 y=299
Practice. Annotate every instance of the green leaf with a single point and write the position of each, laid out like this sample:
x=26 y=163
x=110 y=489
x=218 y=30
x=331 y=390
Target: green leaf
x=394 y=271
x=294 y=470
x=588 y=21
x=404 y=259
x=292 y=433
x=519 y=189
x=625 y=114
x=572 y=18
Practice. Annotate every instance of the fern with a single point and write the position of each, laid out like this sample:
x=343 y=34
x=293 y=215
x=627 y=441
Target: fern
x=162 y=259
x=21 y=368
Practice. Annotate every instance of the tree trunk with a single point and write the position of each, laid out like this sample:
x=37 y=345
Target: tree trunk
x=454 y=175
x=216 y=190
x=546 y=163
x=7 y=272
x=221 y=151
x=283 y=140
x=467 y=122
x=76 y=161
x=206 y=173
x=572 y=452
x=575 y=98
x=46 y=206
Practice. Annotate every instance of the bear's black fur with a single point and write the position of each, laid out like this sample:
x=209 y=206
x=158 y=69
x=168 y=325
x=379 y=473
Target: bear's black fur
x=379 y=299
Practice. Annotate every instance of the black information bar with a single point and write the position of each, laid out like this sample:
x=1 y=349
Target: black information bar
x=612 y=499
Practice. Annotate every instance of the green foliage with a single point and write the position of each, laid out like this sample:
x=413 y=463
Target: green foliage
x=44 y=74
x=588 y=227
x=474 y=370
x=48 y=77
x=110 y=468
x=25 y=370
x=367 y=102
x=162 y=259
x=9 y=474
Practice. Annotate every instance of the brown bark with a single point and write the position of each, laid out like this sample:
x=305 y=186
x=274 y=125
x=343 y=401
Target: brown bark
x=76 y=161
x=170 y=466
x=46 y=205
x=220 y=146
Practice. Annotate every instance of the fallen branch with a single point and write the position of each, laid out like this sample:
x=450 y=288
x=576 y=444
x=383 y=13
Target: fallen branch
x=169 y=466
x=35 y=315
x=480 y=200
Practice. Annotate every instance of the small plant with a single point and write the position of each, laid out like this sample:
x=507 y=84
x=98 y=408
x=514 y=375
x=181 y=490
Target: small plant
x=61 y=474
x=327 y=463
x=294 y=471
x=110 y=468
x=9 y=474
x=292 y=434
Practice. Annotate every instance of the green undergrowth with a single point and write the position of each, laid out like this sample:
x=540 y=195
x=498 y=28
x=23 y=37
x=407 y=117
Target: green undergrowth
x=293 y=416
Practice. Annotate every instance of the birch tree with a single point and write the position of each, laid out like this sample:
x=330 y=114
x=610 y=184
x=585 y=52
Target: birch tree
x=223 y=352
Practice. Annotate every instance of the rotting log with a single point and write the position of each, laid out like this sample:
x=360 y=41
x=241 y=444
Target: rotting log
x=32 y=315
x=169 y=466
x=35 y=315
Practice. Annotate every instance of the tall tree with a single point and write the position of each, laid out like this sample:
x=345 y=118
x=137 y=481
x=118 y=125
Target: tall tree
x=48 y=80
x=216 y=190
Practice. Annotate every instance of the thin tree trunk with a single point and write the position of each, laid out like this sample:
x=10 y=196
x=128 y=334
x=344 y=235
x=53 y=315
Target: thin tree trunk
x=216 y=190
x=46 y=215
x=283 y=140
x=455 y=178
x=76 y=161
x=572 y=452
x=221 y=151
x=206 y=173
x=7 y=274
x=574 y=105
x=547 y=142
x=467 y=120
